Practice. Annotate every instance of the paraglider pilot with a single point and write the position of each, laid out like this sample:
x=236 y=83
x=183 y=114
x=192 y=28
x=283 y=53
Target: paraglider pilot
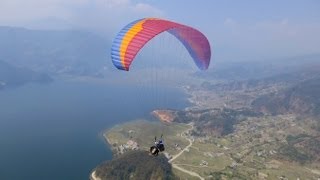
x=158 y=146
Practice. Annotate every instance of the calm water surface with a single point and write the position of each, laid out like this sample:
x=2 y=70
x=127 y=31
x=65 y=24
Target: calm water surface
x=52 y=131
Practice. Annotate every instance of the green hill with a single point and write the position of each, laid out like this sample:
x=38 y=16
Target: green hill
x=302 y=98
x=136 y=165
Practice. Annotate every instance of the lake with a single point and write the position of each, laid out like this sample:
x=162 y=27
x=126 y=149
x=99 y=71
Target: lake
x=53 y=131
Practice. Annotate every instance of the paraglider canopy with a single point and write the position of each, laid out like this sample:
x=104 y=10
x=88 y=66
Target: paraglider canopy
x=135 y=35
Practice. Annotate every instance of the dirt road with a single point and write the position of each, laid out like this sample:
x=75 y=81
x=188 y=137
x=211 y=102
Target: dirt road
x=181 y=152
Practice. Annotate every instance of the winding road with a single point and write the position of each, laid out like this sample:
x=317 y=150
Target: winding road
x=182 y=151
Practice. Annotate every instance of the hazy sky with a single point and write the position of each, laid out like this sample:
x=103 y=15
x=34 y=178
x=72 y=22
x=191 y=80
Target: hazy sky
x=237 y=30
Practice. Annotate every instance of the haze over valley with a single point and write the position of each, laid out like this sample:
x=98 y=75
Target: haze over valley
x=232 y=89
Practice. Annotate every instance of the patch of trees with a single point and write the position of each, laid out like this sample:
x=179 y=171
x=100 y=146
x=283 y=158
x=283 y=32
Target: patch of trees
x=228 y=173
x=292 y=153
x=301 y=148
x=136 y=165
x=292 y=140
x=314 y=147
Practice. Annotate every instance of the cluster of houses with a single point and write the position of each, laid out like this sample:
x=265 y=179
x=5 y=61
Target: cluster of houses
x=130 y=145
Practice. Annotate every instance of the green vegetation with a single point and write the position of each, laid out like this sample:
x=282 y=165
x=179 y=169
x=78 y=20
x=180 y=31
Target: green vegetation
x=136 y=165
x=292 y=140
x=143 y=132
x=301 y=148
x=232 y=156
x=294 y=154
x=228 y=173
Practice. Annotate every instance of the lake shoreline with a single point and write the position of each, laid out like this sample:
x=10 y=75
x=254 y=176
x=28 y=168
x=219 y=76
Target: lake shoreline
x=69 y=113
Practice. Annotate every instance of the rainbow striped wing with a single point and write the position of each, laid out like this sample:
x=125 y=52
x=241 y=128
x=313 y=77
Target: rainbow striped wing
x=135 y=35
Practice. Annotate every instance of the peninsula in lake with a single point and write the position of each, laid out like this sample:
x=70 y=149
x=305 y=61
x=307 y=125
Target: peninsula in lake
x=241 y=127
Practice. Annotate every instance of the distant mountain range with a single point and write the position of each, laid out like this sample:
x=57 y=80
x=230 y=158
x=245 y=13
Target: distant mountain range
x=289 y=77
x=254 y=70
x=11 y=76
x=80 y=53
x=54 y=52
x=76 y=52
